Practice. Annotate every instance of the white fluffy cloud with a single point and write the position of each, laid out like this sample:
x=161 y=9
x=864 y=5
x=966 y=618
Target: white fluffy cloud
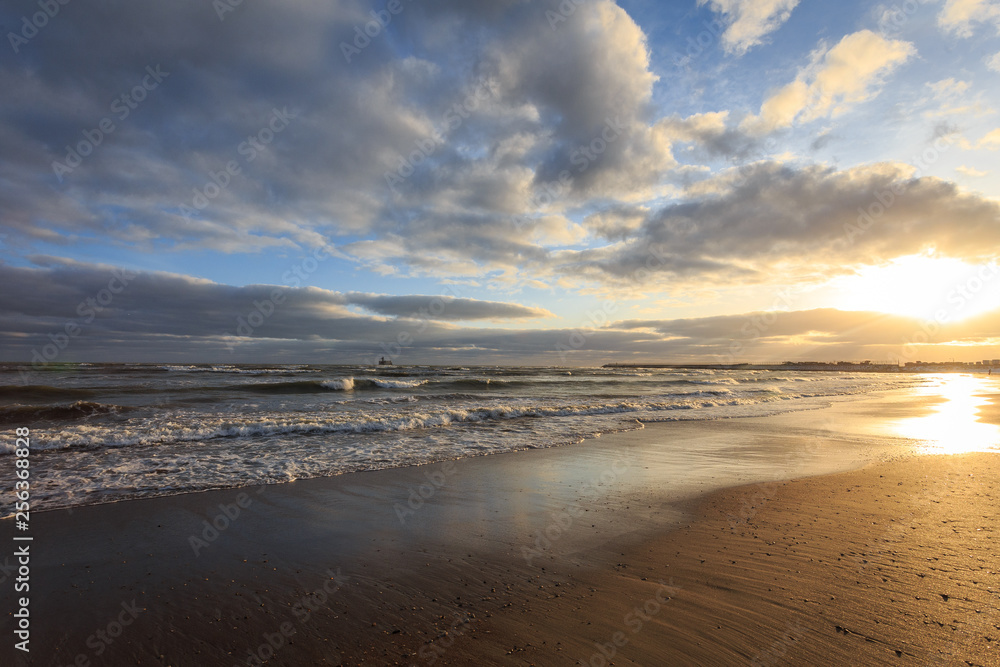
x=990 y=141
x=749 y=21
x=971 y=172
x=836 y=80
x=961 y=16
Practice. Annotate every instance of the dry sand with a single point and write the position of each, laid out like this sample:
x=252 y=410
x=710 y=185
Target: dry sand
x=895 y=563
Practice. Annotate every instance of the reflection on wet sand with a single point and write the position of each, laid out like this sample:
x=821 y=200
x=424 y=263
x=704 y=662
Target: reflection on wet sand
x=953 y=426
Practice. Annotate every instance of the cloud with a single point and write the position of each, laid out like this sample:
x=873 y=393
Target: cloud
x=948 y=88
x=443 y=308
x=763 y=222
x=822 y=140
x=836 y=80
x=950 y=97
x=159 y=317
x=826 y=324
x=220 y=88
x=497 y=137
x=822 y=334
x=749 y=21
x=585 y=91
x=971 y=172
x=616 y=223
x=960 y=16
x=993 y=62
x=990 y=141
x=772 y=222
x=104 y=304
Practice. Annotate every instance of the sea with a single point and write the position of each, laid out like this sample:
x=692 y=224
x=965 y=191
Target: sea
x=110 y=432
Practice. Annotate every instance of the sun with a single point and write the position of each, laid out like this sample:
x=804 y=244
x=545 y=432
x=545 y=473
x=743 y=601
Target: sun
x=921 y=286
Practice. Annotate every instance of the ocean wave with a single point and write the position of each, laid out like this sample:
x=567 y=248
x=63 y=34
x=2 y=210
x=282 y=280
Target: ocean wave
x=42 y=392
x=486 y=382
x=26 y=414
x=343 y=384
x=393 y=384
x=721 y=380
x=350 y=384
x=234 y=370
x=710 y=392
x=208 y=428
x=291 y=386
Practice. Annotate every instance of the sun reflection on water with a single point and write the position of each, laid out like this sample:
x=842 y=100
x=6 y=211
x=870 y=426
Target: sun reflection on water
x=952 y=426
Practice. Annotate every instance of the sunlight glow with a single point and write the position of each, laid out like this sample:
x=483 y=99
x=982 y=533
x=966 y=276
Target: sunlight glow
x=921 y=286
x=952 y=427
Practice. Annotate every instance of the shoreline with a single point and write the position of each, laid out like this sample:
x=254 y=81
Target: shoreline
x=120 y=447
x=359 y=570
x=817 y=403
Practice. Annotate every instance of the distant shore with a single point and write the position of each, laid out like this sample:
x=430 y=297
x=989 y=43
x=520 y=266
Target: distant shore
x=573 y=555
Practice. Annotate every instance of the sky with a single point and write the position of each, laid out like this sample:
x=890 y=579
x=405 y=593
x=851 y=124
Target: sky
x=569 y=182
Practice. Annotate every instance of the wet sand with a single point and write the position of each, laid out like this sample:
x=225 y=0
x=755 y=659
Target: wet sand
x=990 y=413
x=626 y=549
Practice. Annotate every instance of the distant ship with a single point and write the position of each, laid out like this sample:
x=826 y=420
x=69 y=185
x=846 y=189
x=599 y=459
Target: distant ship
x=384 y=362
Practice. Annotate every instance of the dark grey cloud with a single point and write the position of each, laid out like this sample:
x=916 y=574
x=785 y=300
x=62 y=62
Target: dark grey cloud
x=742 y=224
x=822 y=141
x=106 y=303
x=85 y=312
x=442 y=307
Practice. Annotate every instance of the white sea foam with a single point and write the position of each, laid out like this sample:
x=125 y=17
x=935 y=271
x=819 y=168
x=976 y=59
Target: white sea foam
x=171 y=431
x=396 y=384
x=343 y=384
